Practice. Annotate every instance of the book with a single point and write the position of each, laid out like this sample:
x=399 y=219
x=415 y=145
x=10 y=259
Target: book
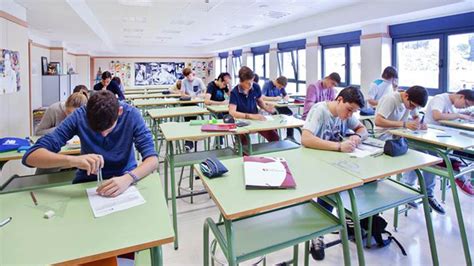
x=267 y=173
x=219 y=127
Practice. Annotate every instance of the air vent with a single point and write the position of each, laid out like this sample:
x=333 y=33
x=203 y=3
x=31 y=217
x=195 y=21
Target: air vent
x=275 y=14
x=244 y=27
x=172 y=31
x=182 y=22
x=133 y=30
x=207 y=39
x=134 y=19
x=136 y=2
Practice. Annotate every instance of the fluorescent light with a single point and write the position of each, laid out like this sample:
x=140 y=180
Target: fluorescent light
x=136 y=2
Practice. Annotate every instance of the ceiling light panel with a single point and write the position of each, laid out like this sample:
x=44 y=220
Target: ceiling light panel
x=139 y=3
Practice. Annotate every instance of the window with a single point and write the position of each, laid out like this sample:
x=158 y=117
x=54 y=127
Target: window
x=341 y=54
x=418 y=63
x=218 y=68
x=236 y=64
x=435 y=53
x=223 y=65
x=292 y=65
x=460 y=62
x=261 y=67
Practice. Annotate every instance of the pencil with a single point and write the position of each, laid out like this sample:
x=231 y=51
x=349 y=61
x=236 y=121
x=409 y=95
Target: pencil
x=33 y=198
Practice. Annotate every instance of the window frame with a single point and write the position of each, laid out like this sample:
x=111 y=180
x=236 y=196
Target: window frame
x=264 y=55
x=347 y=64
x=235 y=60
x=295 y=65
x=223 y=64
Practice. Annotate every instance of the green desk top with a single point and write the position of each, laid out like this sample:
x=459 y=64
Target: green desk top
x=218 y=108
x=151 y=95
x=278 y=122
x=313 y=178
x=282 y=104
x=74 y=235
x=369 y=168
x=458 y=123
x=14 y=155
x=183 y=130
x=144 y=90
x=167 y=101
x=431 y=136
x=177 y=111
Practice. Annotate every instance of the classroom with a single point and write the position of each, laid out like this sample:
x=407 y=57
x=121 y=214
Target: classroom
x=236 y=132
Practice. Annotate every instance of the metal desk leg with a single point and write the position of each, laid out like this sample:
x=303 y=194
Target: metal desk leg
x=341 y=213
x=429 y=222
x=173 y=192
x=357 y=229
x=156 y=254
x=230 y=243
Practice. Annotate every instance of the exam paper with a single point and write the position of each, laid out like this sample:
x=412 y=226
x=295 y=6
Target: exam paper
x=102 y=206
x=363 y=150
x=269 y=118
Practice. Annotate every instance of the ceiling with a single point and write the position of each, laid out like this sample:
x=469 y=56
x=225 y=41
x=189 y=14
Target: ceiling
x=110 y=26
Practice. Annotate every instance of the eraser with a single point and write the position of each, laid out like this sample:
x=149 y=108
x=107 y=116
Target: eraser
x=49 y=214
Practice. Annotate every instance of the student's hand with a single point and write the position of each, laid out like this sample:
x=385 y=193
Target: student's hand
x=257 y=117
x=347 y=146
x=355 y=139
x=226 y=102
x=466 y=117
x=413 y=125
x=88 y=162
x=424 y=126
x=115 y=186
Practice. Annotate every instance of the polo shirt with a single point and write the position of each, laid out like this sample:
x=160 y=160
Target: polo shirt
x=270 y=90
x=246 y=103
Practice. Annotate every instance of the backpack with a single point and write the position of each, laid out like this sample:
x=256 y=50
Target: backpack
x=378 y=229
x=11 y=144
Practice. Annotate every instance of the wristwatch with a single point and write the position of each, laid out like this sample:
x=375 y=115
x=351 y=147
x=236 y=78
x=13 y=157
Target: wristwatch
x=135 y=177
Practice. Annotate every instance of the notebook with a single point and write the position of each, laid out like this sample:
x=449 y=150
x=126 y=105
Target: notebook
x=267 y=173
x=219 y=127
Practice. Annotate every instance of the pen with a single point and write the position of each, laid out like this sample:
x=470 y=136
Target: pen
x=422 y=119
x=377 y=154
x=4 y=222
x=443 y=136
x=99 y=177
x=33 y=198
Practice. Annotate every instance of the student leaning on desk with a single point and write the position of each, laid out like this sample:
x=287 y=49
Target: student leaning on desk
x=394 y=111
x=109 y=130
x=326 y=126
x=244 y=99
x=444 y=107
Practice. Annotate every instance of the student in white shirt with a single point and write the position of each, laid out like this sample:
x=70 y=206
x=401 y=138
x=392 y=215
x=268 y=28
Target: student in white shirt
x=381 y=87
x=444 y=107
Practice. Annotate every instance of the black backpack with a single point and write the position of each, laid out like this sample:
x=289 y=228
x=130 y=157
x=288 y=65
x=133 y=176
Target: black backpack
x=378 y=229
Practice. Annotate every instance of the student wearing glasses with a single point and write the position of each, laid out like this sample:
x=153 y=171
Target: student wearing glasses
x=445 y=106
x=394 y=111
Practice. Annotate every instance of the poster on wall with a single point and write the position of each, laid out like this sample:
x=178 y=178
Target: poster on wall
x=9 y=71
x=202 y=69
x=157 y=73
x=123 y=71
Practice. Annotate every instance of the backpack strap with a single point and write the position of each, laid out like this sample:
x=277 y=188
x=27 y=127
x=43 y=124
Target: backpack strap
x=396 y=241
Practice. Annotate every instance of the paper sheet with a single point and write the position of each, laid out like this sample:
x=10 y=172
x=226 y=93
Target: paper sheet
x=269 y=118
x=363 y=150
x=102 y=206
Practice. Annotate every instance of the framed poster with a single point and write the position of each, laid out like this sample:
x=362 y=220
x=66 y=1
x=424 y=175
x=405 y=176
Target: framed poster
x=157 y=73
x=9 y=71
x=44 y=65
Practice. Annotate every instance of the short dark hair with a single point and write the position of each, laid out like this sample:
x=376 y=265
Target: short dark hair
x=245 y=73
x=80 y=88
x=390 y=72
x=117 y=80
x=187 y=71
x=468 y=94
x=334 y=76
x=352 y=94
x=418 y=95
x=102 y=110
x=282 y=80
x=106 y=75
x=222 y=76
x=256 y=77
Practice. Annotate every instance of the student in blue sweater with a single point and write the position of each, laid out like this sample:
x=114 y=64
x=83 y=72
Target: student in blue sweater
x=109 y=130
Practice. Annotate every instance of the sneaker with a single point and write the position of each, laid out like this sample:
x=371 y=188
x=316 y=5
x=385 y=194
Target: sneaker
x=413 y=204
x=436 y=206
x=465 y=186
x=317 y=248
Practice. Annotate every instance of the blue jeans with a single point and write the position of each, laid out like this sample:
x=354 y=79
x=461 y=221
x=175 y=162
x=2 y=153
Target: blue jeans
x=410 y=178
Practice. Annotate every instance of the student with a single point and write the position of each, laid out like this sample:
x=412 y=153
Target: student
x=322 y=90
x=444 y=107
x=244 y=99
x=217 y=89
x=176 y=88
x=380 y=87
x=194 y=87
x=274 y=90
x=118 y=81
x=326 y=124
x=109 y=130
x=393 y=111
x=57 y=112
x=107 y=84
x=191 y=85
x=82 y=89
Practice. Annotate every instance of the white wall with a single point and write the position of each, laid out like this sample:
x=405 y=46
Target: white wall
x=83 y=69
x=14 y=107
x=36 y=74
x=104 y=62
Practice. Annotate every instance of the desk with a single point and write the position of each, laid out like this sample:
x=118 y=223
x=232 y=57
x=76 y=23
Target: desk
x=152 y=95
x=163 y=102
x=174 y=132
x=74 y=236
x=144 y=90
x=158 y=114
x=366 y=119
x=278 y=122
x=458 y=123
x=217 y=109
x=239 y=205
x=428 y=140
